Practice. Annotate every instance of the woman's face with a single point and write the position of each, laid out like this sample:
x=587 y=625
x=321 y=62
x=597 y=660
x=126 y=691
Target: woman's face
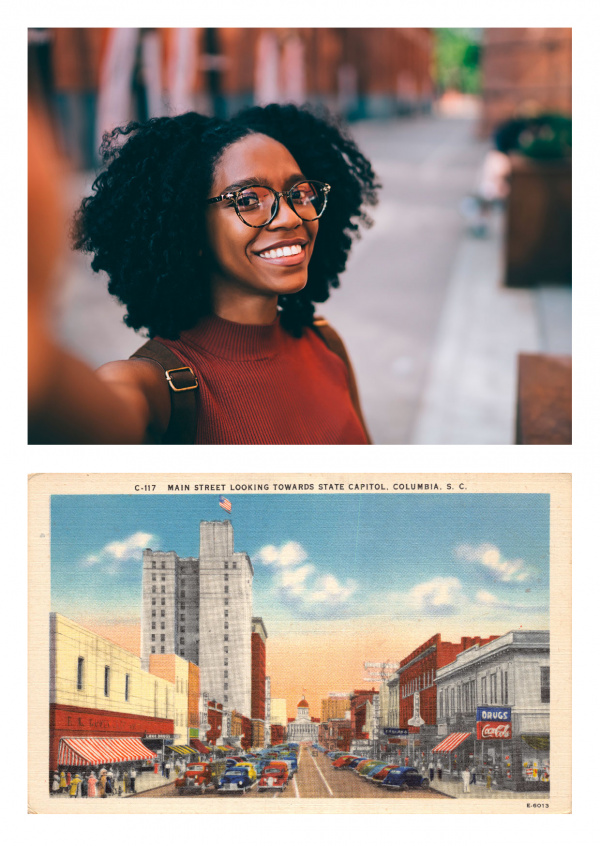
x=243 y=264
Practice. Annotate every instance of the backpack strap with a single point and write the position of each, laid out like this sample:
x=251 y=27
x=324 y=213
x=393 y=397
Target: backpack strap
x=182 y=381
x=333 y=341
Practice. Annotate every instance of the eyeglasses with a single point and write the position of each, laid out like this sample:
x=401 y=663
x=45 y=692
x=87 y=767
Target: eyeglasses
x=257 y=205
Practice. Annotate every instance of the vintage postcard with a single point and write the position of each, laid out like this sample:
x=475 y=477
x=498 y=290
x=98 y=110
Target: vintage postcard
x=358 y=644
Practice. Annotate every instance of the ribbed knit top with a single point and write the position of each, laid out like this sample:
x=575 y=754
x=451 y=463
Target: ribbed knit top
x=260 y=385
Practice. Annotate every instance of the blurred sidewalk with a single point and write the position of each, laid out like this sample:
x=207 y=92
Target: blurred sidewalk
x=454 y=788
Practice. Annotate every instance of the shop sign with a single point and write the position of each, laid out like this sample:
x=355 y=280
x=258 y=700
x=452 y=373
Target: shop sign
x=494 y=731
x=490 y=712
x=395 y=732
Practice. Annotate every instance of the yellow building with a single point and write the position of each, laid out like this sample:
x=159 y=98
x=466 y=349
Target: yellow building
x=175 y=669
x=98 y=689
x=278 y=712
x=334 y=708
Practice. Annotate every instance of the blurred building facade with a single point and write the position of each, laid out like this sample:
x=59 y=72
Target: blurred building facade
x=96 y=79
x=525 y=71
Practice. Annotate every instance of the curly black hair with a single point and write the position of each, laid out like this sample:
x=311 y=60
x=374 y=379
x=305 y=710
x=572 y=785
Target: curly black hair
x=145 y=221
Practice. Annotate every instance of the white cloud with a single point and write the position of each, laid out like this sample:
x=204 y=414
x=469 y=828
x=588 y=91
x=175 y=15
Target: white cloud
x=329 y=589
x=301 y=583
x=440 y=596
x=114 y=554
x=491 y=558
x=287 y=555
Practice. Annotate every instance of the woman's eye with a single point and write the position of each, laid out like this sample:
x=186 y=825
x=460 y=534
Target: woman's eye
x=247 y=201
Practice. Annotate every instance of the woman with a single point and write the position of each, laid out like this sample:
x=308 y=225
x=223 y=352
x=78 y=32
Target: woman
x=92 y=785
x=219 y=237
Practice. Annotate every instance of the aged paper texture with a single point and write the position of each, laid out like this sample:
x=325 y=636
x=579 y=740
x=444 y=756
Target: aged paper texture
x=418 y=624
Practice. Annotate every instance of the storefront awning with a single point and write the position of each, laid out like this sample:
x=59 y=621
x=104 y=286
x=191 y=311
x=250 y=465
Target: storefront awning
x=183 y=750
x=93 y=751
x=200 y=747
x=539 y=742
x=452 y=742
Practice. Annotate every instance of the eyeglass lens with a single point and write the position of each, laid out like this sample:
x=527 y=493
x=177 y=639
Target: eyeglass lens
x=257 y=203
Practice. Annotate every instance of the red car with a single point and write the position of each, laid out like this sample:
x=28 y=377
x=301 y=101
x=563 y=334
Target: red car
x=378 y=777
x=275 y=776
x=198 y=777
x=344 y=761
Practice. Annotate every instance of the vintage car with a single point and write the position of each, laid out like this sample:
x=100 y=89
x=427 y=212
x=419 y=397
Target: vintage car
x=352 y=765
x=198 y=777
x=401 y=778
x=292 y=764
x=250 y=767
x=378 y=777
x=367 y=767
x=235 y=779
x=275 y=776
x=344 y=760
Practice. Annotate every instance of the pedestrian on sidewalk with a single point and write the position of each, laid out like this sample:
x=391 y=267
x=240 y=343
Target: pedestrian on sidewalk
x=55 y=784
x=63 y=782
x=84 y=786
x=74 y=786
x=431 y=770
x=132 y=777
x=168 y=768
x=102 y=784
x=92 y=785
x=473 y=774
x=125 y=780
x=466 y=780
x=439 y=769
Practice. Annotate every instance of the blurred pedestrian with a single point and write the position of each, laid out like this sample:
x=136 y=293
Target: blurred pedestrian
x=63 y=782
x=102 y=784
x=439 y=769
x=132 y=778
x=473 y=774
x=466 y=779
x=84 y=786
x=92 y=785
x=431 y=770
x=168 y=767
x=55 y=788
x=125 y=780
x=74 y=786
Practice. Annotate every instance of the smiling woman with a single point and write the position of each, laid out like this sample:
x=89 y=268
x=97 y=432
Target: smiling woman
x=219 y=237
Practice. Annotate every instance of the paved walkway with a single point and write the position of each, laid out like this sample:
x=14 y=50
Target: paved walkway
x=454 y=788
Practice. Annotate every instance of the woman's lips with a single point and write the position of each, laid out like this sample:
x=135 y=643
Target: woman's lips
x=297 y=254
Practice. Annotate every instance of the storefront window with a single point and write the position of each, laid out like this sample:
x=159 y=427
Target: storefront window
x=80 y=664
x=545 y=684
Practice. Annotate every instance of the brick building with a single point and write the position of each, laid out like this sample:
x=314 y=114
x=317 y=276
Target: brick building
x=334 y=707
x=524 y=69
x=358 y=712
x=335 y=734
x=258 y=677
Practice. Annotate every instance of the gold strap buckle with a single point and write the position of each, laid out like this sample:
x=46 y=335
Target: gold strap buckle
x=177 y=370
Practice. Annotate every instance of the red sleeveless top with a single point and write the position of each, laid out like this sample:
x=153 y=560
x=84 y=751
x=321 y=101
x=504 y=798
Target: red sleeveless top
x=260 y=385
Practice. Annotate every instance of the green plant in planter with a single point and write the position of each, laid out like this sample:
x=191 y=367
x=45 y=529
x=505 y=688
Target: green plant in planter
x=546 y=137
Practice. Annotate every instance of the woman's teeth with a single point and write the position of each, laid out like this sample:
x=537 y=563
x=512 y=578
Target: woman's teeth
x=282 y=251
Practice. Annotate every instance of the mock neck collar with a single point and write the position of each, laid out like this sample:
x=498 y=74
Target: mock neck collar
x=235 y=341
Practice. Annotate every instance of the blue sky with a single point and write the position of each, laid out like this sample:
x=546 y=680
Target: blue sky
x=327 y=557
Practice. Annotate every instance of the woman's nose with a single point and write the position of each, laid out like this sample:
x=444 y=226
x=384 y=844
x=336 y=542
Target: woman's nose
x=285 y=216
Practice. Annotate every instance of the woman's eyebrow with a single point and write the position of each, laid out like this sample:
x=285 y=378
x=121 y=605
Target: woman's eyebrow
x=260 y=180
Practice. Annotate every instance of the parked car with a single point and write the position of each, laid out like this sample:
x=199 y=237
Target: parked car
x=275 y=776
x=373 y=770
x=378 y=777
x=198 y=777
x=401 y=778
x=343 y=761
x=292 y=764
x=235 y=779
x=365 y=768
x=352 y=765
x=250 y=767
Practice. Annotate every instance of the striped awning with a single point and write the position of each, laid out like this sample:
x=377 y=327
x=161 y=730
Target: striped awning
x=452 y=742
x=200 y=747
x=93 y=751
x=183 y=750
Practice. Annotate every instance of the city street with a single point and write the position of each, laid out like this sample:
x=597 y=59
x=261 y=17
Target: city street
x=316 y=779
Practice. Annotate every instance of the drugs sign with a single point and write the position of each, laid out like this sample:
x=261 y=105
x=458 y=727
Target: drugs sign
x=494 y=731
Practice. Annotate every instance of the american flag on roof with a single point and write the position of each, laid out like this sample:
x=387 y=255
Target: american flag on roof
x=224 y=503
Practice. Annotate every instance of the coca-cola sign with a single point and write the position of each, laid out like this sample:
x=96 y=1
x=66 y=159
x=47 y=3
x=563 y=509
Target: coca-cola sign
x=494 y=731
